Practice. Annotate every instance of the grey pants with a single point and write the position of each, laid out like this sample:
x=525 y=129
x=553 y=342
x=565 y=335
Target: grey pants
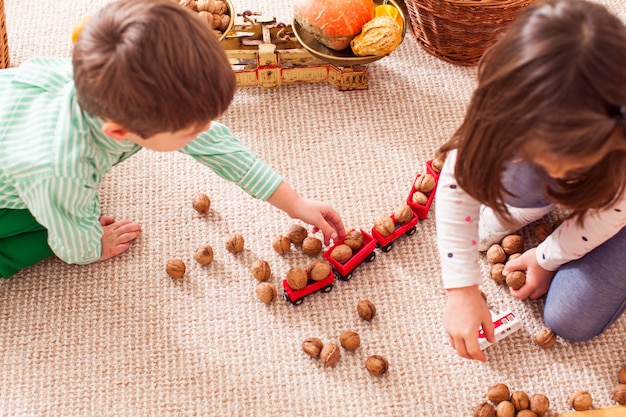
x=588 y=294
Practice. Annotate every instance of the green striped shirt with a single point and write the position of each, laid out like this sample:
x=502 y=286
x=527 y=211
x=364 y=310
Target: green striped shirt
x=53 y=157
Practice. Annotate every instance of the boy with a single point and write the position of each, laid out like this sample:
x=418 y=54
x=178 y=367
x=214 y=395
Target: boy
x=144 y=74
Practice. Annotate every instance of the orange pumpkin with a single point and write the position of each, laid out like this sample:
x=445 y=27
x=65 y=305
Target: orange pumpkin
x=334 y=23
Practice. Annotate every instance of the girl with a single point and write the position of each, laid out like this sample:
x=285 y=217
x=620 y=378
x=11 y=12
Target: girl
x=546 y=125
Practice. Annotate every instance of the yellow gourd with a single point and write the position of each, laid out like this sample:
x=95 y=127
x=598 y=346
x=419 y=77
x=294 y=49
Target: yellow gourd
x=379 y=37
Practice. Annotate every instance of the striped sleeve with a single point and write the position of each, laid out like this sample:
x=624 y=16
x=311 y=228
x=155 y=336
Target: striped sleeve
x=219 y=150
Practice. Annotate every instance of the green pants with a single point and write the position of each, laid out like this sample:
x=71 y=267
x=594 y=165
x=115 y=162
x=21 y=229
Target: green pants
x=23 y=241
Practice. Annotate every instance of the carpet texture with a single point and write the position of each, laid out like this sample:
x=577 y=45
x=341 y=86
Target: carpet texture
x=120 y=338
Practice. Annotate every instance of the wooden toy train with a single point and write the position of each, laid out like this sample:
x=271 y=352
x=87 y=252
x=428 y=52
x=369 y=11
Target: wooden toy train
x=371 y=241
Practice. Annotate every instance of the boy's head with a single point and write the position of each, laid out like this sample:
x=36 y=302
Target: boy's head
x=152 y=66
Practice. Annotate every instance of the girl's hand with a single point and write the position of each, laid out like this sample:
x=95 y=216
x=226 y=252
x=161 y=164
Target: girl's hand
x=116 y=236
x=465 y=312
x=537 y=279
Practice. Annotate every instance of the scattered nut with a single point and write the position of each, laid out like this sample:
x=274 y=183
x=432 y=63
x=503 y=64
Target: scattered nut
x=495 y=272
x=542 y=231
x=201 y=203
x=312 y=346
x=512 y=244
x=403 y=213
x=297 y=278
x=235 y=243
x=341 y=253
x=545 y=338
x=266 y=292
x=175 y=268
x=580 y=401
x=505 y=409
x=297 y=233
x=330 y=354
x=366 y=309
x=520 y=400
x=384 y=224
x=424 y=183
x=516 y=279
x=281 y=244
x=419 y=198
x=350 y=340
x=619 y=394
x=526 y=413
x=204 y=255
x=496 y=254
x=484 y=409
x=318 y=270
x=621 y=376
x=376 y=365
x=311 y=246
x=261 y=270
x=354 y=239
x=498 y=392
x=539 y=404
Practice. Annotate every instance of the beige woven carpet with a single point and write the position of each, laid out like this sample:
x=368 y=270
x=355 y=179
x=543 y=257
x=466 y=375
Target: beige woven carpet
x=120 y=338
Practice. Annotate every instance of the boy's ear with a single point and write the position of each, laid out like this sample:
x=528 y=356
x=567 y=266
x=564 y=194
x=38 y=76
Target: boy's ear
x=114 y=130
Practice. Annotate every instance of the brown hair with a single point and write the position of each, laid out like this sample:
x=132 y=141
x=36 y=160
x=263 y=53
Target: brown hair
x=152 y=66
x=554 y=82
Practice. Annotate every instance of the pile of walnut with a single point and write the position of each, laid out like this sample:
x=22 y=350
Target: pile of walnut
x=351 y=245
x=504 y=403
x=330 y=352
x=422 y=187
x=498 y=254
x=215 y=12
x=297 y=235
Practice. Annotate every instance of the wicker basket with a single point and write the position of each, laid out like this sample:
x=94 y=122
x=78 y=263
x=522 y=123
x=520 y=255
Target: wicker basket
x=459 y=31
x=4 y=42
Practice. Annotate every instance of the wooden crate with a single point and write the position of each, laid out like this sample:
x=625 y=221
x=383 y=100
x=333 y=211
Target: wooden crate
x=4 y=42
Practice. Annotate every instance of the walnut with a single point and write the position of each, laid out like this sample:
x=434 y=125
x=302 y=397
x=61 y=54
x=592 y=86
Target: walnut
x=318 y=270
x=384 y=224
x=297 y=278
x=542 y=231
x=484 y=409
x=206 y=5
x=419 y=198
x=513 y=256
x=220 y=7
x=341 y=253
x=545 y=338
x=354 y=239
x=580 y=401
x=206 y=17
x=619 y=394
x=516 y=279
x=621 y=376
x=505 y=409
x=520 y=400
x=312 y=346
x=495 y=272
x=350 y=340
x=498 y=392
x=377 y=365
x=526 y=413
x=201 y=203
x=204 y=255
x=225 y=22
x=261 y=270
x=366 y=309
x=437 y=162
x=539 y=404
x=512 y=244
x=403 y=213
x=425 y=183
x=281 y=244
x=496 y=254
x=330 y=354
x=175 y=268
x=297 y=233
x=190 y=4
x=311 y=246
x=266 y=292
x=235 y=243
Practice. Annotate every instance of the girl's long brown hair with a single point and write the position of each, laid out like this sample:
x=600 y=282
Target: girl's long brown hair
x=555 y=82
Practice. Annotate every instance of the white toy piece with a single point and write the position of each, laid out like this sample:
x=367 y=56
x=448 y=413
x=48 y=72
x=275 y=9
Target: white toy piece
x=504 y=324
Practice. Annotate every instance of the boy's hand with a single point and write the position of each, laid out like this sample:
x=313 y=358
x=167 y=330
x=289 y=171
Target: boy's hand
x=117 y=236
x=537 y=279
x=465 y=312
